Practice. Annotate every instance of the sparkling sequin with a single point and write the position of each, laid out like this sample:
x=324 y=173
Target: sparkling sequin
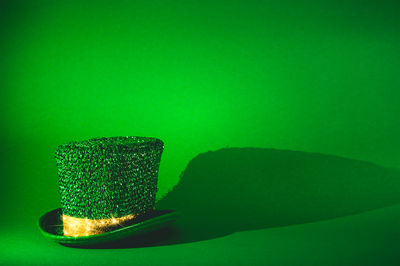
x=102 y=178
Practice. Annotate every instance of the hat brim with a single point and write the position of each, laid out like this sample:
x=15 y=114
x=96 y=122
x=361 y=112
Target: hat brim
x=51 y=226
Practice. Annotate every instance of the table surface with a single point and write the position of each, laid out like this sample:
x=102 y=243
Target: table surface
x=249 y=206
x=367 y=238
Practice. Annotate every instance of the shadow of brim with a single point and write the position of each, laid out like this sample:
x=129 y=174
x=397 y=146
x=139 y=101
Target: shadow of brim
x=149 y=239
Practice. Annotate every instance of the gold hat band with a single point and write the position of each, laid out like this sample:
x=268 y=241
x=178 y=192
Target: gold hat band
x=85 y=227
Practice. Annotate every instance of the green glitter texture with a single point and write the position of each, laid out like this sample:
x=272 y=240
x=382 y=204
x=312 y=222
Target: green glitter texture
x=108 y=177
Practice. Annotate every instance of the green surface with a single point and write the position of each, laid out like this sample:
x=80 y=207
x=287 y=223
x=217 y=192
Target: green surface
x=364 y=239
x=309 y=77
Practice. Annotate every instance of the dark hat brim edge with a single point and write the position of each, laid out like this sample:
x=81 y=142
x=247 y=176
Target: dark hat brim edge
x=163 y=219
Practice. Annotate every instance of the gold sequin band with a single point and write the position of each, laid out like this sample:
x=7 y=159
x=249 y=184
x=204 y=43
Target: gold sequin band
x=86 y=227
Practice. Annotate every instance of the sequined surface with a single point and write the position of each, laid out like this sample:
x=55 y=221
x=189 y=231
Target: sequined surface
x=73 y=226
x=104 y=178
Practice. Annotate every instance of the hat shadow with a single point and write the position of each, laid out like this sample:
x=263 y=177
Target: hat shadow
x=237 y=189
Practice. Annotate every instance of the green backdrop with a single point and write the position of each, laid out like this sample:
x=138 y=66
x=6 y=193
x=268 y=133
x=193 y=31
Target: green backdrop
x=307 y=76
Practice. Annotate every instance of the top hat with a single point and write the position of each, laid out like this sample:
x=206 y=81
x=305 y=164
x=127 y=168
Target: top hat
x=108 y=190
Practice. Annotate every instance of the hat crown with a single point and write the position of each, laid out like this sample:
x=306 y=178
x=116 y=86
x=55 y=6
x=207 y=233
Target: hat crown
x=108 y=177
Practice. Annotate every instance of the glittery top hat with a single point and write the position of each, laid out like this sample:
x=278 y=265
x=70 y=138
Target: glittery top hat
x=108 y=187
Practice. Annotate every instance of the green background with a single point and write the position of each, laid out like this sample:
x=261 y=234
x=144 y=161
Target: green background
x=310 y=77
